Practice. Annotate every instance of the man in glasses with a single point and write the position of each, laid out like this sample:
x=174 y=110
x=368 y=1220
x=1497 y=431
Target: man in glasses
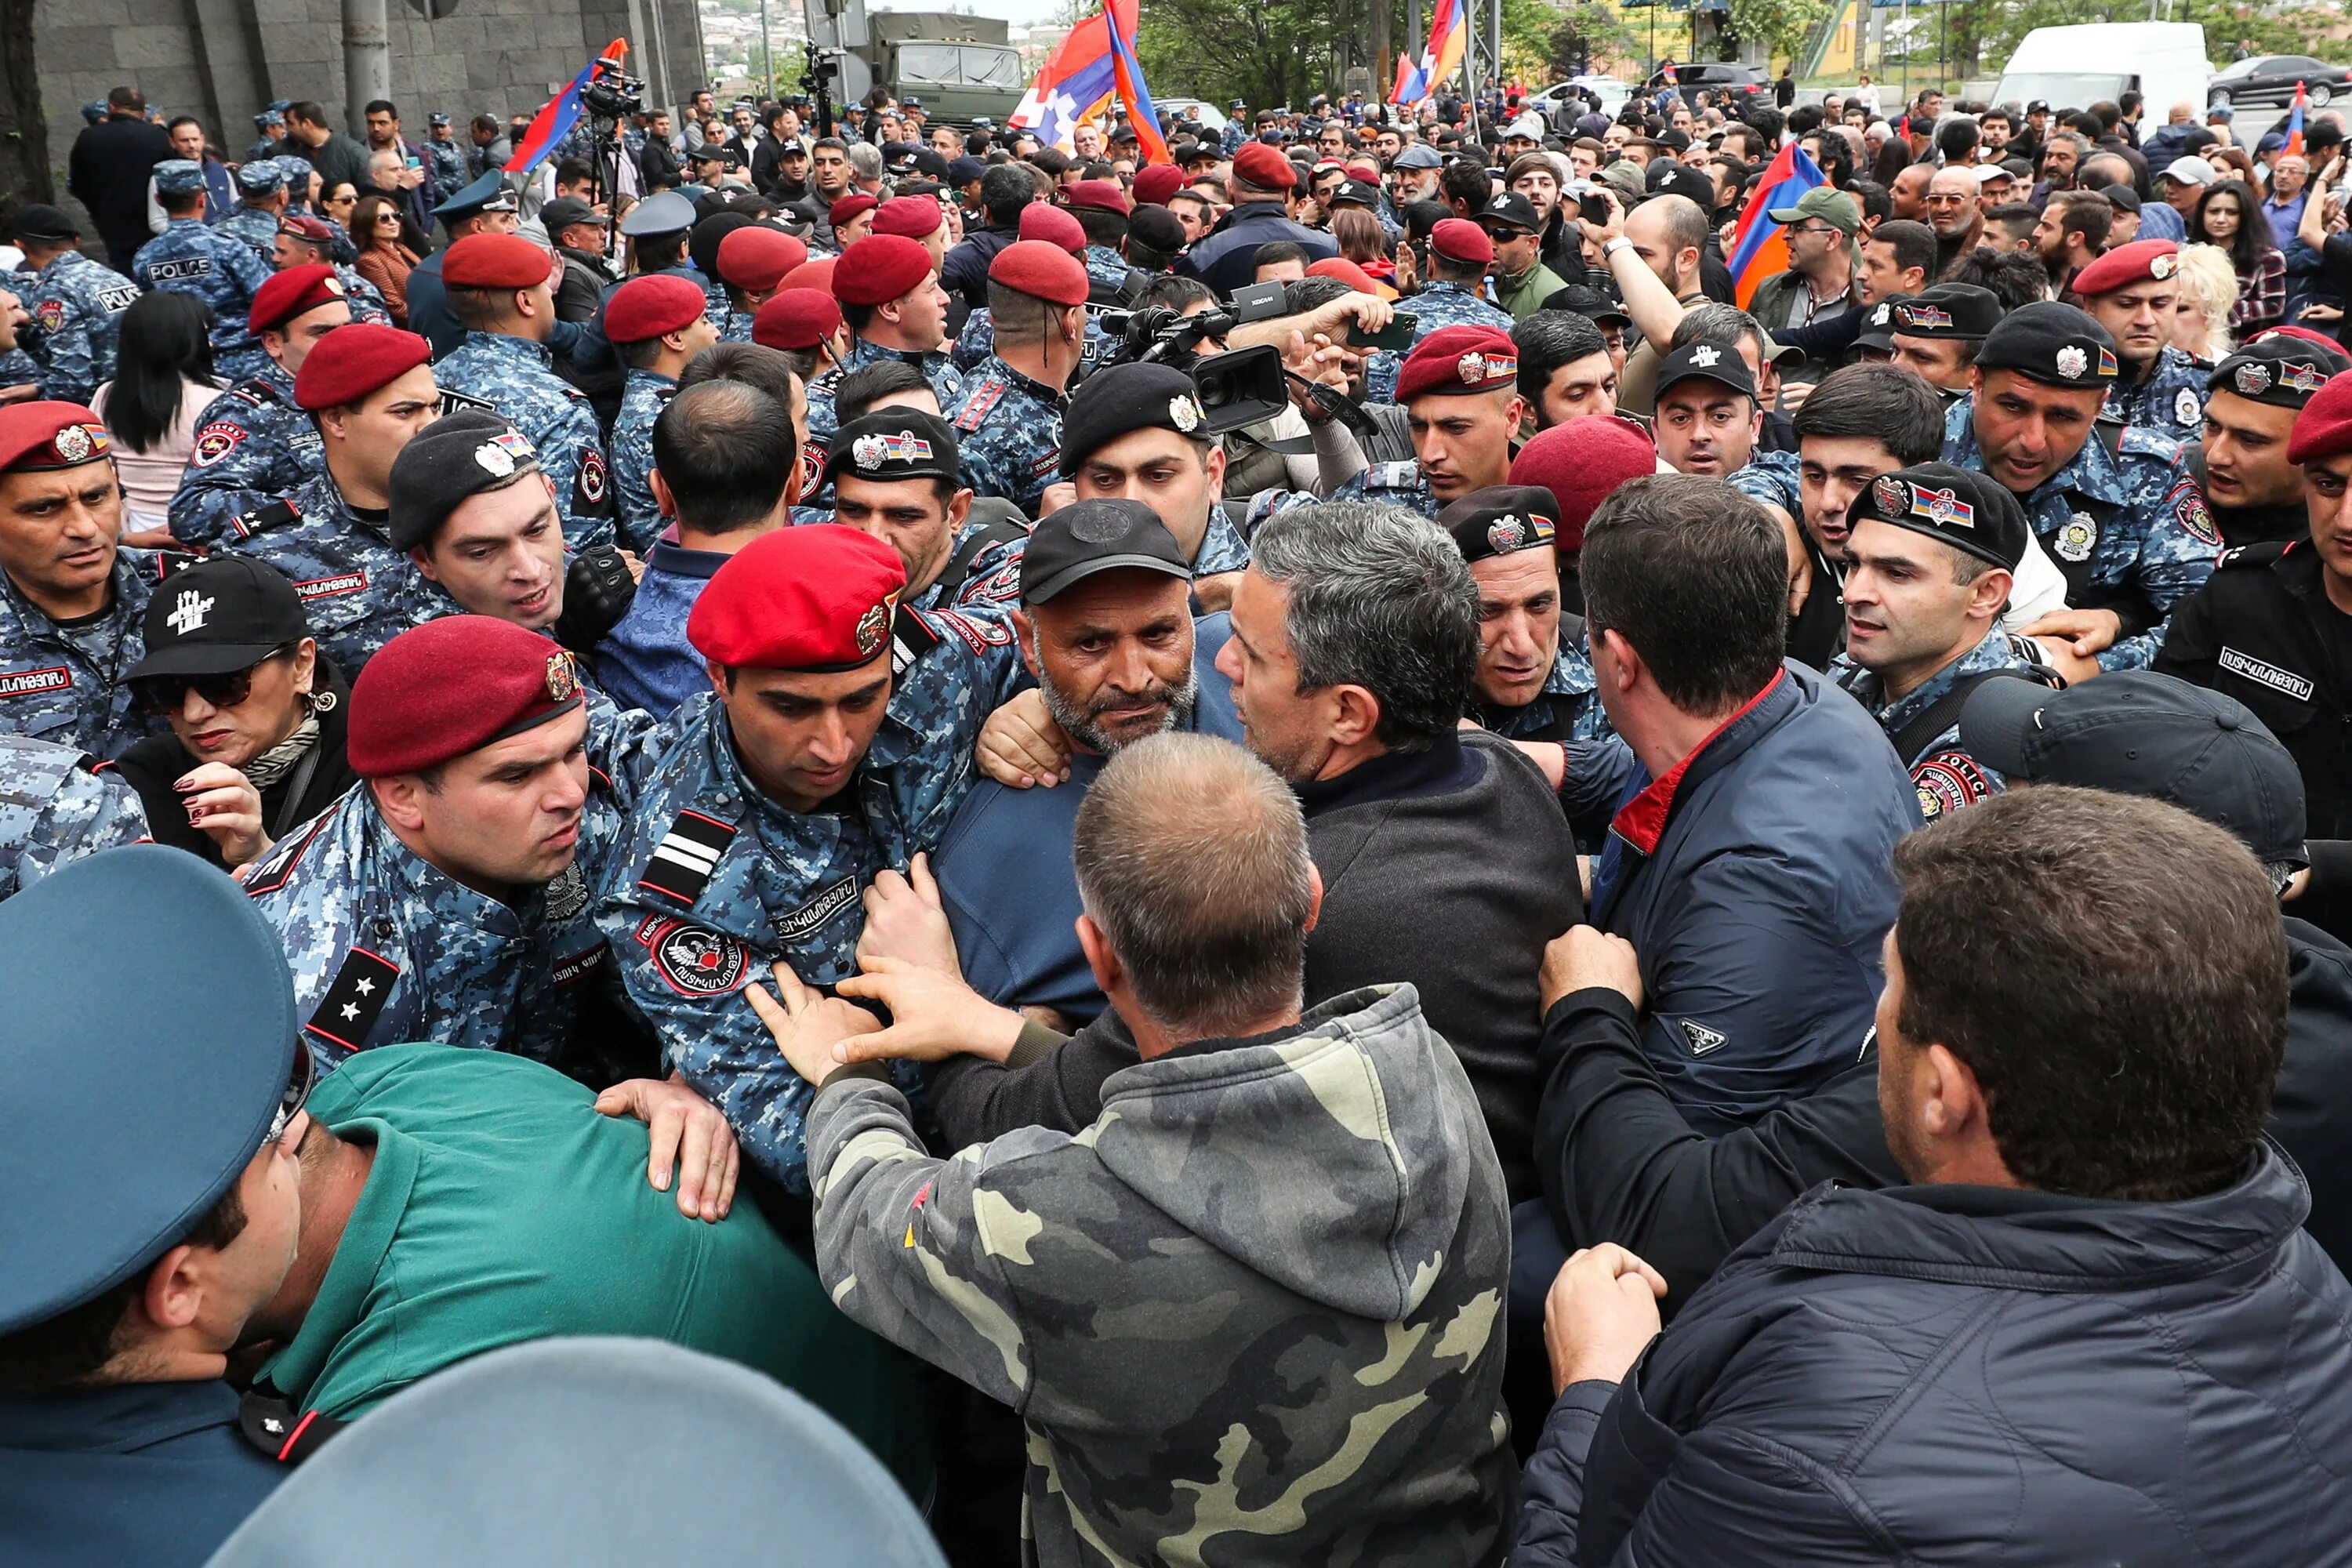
x=118 y=1435
x=1823 y=279
x=71 y=600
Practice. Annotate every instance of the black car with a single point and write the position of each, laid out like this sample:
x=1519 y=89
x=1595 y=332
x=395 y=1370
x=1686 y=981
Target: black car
x=2270 y=78
x=1729 y=82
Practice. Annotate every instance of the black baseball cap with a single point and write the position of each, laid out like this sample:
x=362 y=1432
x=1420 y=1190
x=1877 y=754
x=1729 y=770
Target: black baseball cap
x=2138 y=732
x=1510 y=210
x=225 y=614
x=1958 y=310
x=1704 y=361
x=1100 y=536
x=39 y=220
x=565 y=212
x=1588 y=303
x=1968 y=511
x=448 y=463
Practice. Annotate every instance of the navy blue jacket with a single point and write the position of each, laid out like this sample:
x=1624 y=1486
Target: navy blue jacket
x=1756 y=881
x=1967 y=1375
x=1227 y=259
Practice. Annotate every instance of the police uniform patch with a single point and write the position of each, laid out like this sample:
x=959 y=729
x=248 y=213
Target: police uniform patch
x=2073 y=362
x=681 y=864
x=214 y=442
x=591 y=477
x=812 y=470
x=32 y=682
x=568 y=894
x=977 y=635
x=2076 y=540
x=2285 y=682
x=1891 y=495
x=872 y=628
x=1947 y=782
x=2253 y=378
x=452 y=402
x=580 y=966
x=2186 y=409
x=331 y=587
x=984 y=397
x=50 y=313
x=817 y=912
x=117 y=297
x=348 y=1009
x=2188 y=503
x=695 y=961
x=1506 y=533
x=562 y=675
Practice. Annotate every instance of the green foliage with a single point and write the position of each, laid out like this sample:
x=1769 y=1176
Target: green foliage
x=1779 y=26
x=1263 y=51
x=1587 y=36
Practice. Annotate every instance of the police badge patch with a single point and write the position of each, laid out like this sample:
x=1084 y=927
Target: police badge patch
x=50 y=313
x=2077 y=538
x=214 y=442
x=872 y=628
x=1471 y=368
x=2188 y=503
x=2186 y=409
x=568 y=894
x=591 y=477
x=1506 y=533
x=2253 y=379
x=695 y=961
x=2073 y=362
x=1947 y=782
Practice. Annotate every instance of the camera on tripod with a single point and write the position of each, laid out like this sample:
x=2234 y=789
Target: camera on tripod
x=610 y=94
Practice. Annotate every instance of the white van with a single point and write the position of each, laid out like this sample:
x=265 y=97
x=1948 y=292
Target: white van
x=2076 y=67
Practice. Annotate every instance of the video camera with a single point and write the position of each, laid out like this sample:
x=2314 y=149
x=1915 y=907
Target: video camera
x=1241 y=386
x=609 y=93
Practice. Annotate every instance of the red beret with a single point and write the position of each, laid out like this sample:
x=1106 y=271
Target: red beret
x=307 y=229
x=1459 y=359
x=1039 y=271
x=1263 y=167
x=1044 y=221
x=756 y=258
x=849 y=206
x=1155 y=183
x=816 y=597
x=495 y=261
x=815 y=273
x=454 y=686
x=289 y=293
x=880 y=268
x=1346 y=272
x=1580 y=461
x=2322 y=429
x=2306 y=333
x=1104 y=195
x=1367 y=172
x=913 y=216
x=358 y=359
x=796 y=319
x=50 y=435
x=2138 y=262
x=1459 y=239
x=649 y=306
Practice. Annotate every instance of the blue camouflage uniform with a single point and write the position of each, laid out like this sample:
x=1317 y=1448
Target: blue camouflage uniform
x=990 y=584
x=1566 y=708
x=1230 y=139
x=716 y=882
x=191 y=257
x=2130 y=531
x=947 y=384
x=977 y=342
x=512 y=377
x=364 y=298
x=1008 y=434
x=2171 y=402
x=253 y=445
x=1439 y=304
x=64 y=684
x=18 y=368
x=636 y=515
x=735 y=326
x=54 y=809
x=257 y=228
x=449 y=171
x=1392 y=484
x=1943 y=772
x=1106 y=267
x=78 y=306
x=357 y=591
x=1770 y=477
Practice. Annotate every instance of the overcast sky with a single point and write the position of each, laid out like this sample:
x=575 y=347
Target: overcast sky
x=1030 y=10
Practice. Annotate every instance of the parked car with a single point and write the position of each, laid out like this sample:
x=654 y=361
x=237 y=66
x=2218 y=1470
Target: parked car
x=2270 y=78
x=1612 y=93
x=1728 y=80
x=1210 y=116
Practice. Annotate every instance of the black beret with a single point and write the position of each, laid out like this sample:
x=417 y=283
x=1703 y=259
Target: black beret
x=1970 y=511
x=2283 y=372
x=1501 y=520
x=1126 y=398
x=1948 y=310
x=2051 y=342
x=457 y=457
x=892 y=444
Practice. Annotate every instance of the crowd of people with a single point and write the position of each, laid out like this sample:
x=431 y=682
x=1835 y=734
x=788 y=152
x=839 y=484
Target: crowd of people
x=1292 y=856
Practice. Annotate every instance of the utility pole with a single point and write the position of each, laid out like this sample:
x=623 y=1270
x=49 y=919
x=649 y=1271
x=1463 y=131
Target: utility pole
x=367 y=61
x=767 y=51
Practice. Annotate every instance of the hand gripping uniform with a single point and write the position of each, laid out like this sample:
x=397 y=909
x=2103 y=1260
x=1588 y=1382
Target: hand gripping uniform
x=53 y=808
x=358 y=592
x=189 y=257
x=2128 y=529
x=637 y=517
x=2171 y=402
x=77 y=306
x=253 y=445
x=511 y=376
x=716 y=882
x=1008 y=430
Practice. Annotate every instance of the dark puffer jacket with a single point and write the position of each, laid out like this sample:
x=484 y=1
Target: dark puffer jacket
x=1975 y=1375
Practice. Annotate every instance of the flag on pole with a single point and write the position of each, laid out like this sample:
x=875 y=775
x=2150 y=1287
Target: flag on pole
x=1449 y=39
x=2295 y=123
x=1406 y=89
x=1126 y=73
x=552 y=124
x=1077 y=84
x=1759 y=249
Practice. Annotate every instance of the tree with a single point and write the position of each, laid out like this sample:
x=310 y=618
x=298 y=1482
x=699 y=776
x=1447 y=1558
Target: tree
x=24 y=132
x=1779 y=28
x=1265 y=52
x=1587 y=36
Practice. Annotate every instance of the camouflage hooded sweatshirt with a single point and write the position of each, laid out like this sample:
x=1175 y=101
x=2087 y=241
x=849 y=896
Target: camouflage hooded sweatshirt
x=1251 y=1315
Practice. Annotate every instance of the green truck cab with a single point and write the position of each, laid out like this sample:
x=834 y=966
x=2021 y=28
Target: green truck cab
x=963 y=67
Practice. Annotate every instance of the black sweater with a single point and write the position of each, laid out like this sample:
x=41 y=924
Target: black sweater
x=1449 y=869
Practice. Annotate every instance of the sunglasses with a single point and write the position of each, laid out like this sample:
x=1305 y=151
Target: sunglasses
x=163 y=693
x=299 y=1085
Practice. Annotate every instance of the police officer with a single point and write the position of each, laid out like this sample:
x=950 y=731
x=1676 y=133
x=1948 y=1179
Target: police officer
x=367 y=396
x=269 y=125
x=1936 y=332
x=891 y=299
x=1931 y=553
x=500 y=285
x=253 y=443
x=75 y=304
x=1535 y=679
x=1009 y=420
x=750 y=261
x=155 y=1103
x=486 y=206
x=261 y=202
x=1230 y=139
x=836 y=742
x=1102 y=208
x=1140 y=433
x=2270 y=627
x=2132 y=291
x=306 y=241
x=1044 y=222
x=2251 y=405
x=191 y=257
x=1460 y=252
x=55 y=807
x=2117 y=510
x=657 y=324
x=896 y=474
x=445 y=899
x=447 y=159
x=73 y=600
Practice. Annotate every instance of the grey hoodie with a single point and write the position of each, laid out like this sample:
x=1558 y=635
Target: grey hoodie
x=1251 y=1315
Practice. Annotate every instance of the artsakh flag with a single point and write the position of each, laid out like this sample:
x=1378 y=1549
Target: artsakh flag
x=2295 y=123
x=1759 y=249
x=1077 y=84
x=552 y=124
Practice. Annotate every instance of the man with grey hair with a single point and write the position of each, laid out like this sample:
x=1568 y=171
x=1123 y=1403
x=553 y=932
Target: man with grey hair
x=1300 y=1194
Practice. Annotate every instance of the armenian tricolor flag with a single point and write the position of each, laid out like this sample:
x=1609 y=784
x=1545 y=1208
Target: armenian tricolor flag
x=552 y=124
x=1759 y=249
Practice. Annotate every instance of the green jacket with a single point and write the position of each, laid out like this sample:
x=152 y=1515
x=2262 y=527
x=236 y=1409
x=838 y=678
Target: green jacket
x=1523 y=296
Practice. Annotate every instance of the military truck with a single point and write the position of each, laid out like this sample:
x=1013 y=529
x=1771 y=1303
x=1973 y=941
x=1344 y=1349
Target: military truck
x=961 y=67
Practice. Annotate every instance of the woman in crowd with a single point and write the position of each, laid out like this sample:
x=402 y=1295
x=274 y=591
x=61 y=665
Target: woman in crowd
x=163 y=379
x=2209 y=293
x=257 y=714
x=336 y=202
x=385 y=257
x=2229 y=215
